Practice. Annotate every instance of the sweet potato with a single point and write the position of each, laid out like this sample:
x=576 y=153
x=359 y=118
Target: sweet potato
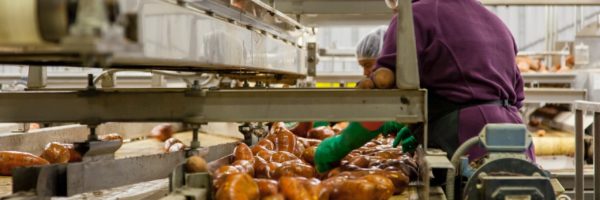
x=238 y=186
x=243 y=152
x=55 y=152
x=13 y=159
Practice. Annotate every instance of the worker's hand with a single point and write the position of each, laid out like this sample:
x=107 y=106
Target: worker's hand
x=406 y=139
x=320 y=123
x=326 y=154
x=390 y=127
x=334 y=149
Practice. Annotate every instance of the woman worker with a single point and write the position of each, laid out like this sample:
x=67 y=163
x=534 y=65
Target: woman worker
x=466 y=61
x=367 y=52
x=368 y=48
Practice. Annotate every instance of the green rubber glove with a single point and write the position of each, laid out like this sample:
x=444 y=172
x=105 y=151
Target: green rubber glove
x=334 y=149
x=390 y=127
x=406 y=139
x=319 y=124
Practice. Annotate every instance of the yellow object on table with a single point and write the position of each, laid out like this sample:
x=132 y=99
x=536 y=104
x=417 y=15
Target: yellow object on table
x=554 y=143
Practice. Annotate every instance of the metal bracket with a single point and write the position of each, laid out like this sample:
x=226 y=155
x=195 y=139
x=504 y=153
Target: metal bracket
x=109 y=80
x=37 y=77
x=312 y=58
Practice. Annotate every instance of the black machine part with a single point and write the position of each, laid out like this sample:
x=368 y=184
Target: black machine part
x=509 y=178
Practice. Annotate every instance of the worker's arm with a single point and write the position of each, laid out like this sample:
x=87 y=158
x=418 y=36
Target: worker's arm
x=423 y=38
x=334 y=149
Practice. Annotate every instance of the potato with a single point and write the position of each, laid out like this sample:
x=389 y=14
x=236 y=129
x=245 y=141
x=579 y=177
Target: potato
x=238 y=186
x=267 y=187
x=384 y=78
x=196 y=164
x=365 y=83
x=309 y=154
x=321 y=133
x=55 y=152
x=301 y=129
x=111 y=137
x=13 y=159
x=261 y=168
x=292 y=168
x=284 y=140
x=282 y=156
x=162 y=132
x=243 y=152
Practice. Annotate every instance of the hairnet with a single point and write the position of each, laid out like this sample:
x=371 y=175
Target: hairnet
x=370 y=45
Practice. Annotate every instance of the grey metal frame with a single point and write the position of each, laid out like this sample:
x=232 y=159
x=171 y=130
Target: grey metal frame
x=222 y=39
x=581 y=107
x=554 y=95
x=93 y=106
x=199 y=106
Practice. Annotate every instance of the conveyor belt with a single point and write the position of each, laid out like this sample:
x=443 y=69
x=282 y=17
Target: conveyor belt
x=144 y=190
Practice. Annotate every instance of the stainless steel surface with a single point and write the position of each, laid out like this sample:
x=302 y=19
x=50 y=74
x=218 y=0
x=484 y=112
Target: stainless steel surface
x=35 y=140
x=328 y=7
x=176 y=37
x=568 y=78
x=407 y=66
x=539 y=2
x=579 y=154
x=554 y=95
x=250 y=12
x=75 y=178
x=336 y=78
x=587 y=106
x=567 y=178
x=312 y=58
x=37 y=77
x=182 y=105
x=597 y=155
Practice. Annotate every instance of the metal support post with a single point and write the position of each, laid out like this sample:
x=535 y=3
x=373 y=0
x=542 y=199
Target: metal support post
x=195 y=144
x=37 y=77
x=312 y=59
x=90 y=84
x=579 y=154
x=407 y=66
x=92 y=136
x=109 y=80
x=596 y=154
x=246 y=130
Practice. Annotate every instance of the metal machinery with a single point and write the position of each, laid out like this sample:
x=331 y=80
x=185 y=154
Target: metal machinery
x=493 y=179
x=245 y=40
x=360 y=12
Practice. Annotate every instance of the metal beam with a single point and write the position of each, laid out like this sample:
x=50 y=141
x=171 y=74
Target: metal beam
x=587 y=106
x=336 y=78
x=549 y=78
x=553 y=95
x=181 y=105
x=540 y=2
x=74 y=178
x=34 y=141
x=201 y=36
x=332 y=7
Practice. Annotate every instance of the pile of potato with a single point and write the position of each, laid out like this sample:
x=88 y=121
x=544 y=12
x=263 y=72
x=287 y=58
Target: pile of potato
x=54 y=153
x=529 y=64
x=281 y=166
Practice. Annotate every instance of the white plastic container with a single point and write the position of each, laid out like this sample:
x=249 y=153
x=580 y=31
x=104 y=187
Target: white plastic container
x=582 y=54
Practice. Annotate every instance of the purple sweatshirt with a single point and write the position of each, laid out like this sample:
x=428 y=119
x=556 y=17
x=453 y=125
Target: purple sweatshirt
x=465 y=53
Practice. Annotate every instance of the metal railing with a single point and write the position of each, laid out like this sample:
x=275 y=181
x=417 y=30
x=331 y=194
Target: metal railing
x=581 y=107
